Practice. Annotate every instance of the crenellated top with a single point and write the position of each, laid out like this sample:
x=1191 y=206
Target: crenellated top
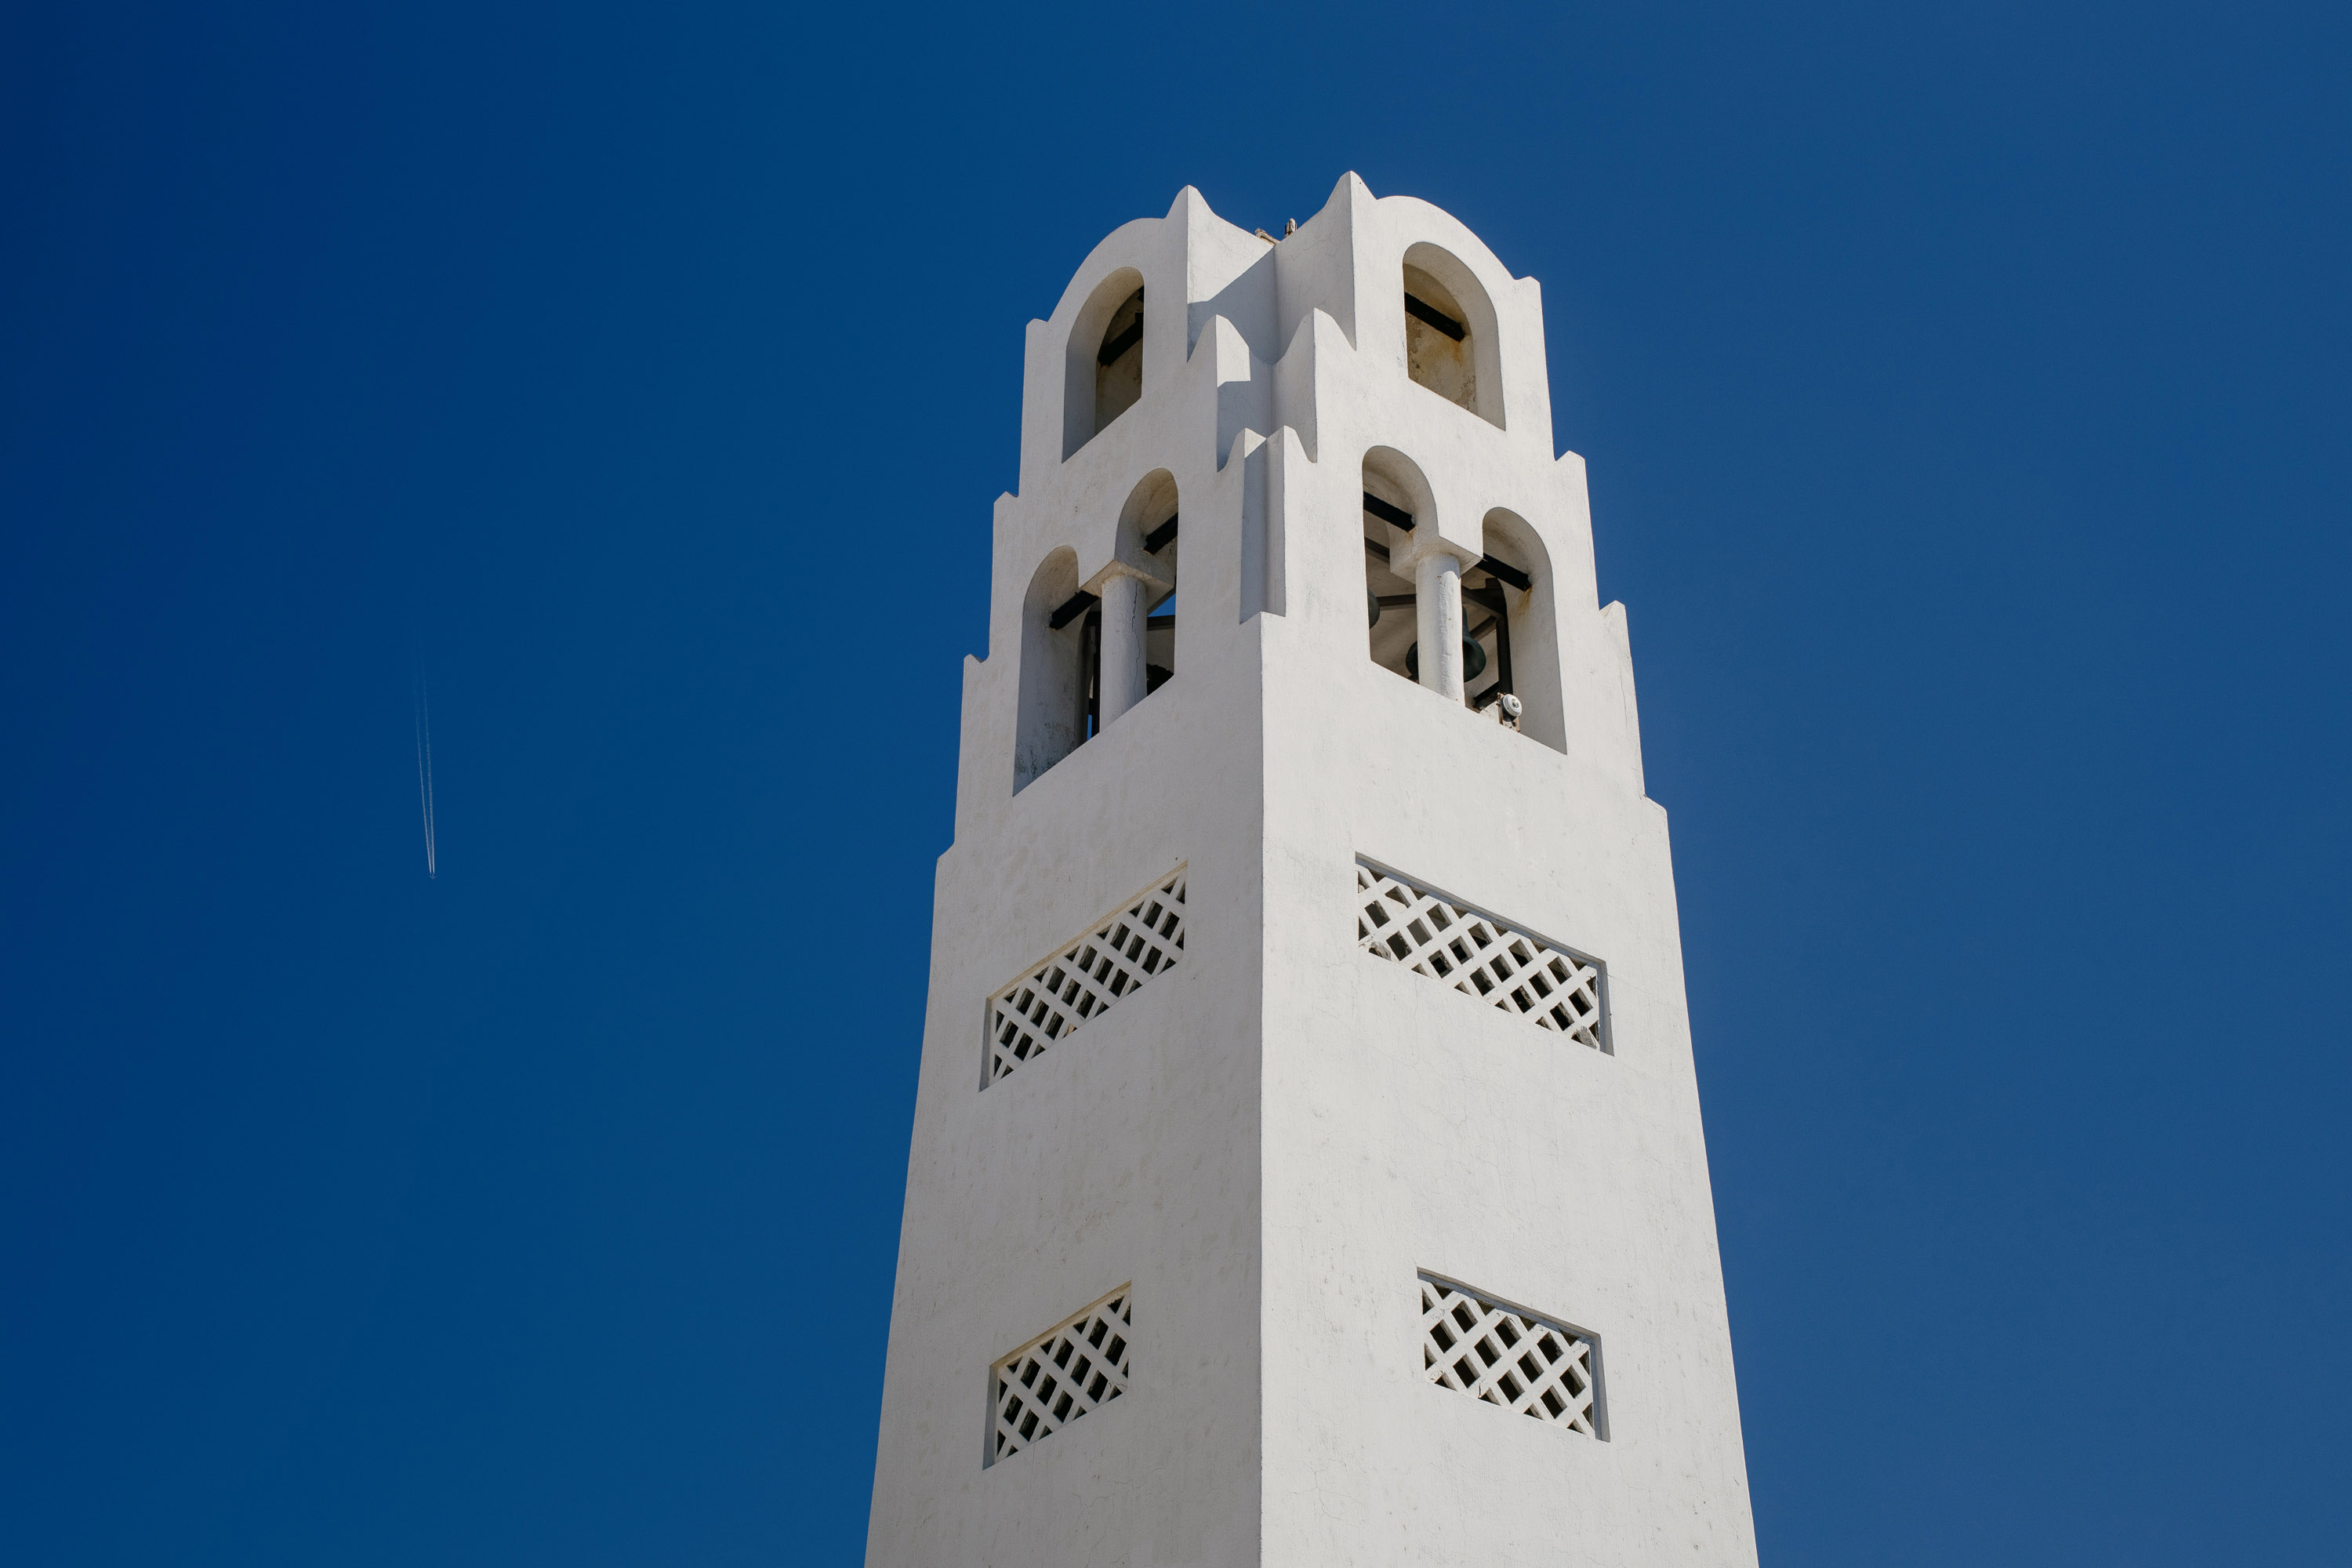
x=1364 y=401
x=1478 y=341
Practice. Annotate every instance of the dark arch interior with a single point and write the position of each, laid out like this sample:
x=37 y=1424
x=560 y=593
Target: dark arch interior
x=1118 y=363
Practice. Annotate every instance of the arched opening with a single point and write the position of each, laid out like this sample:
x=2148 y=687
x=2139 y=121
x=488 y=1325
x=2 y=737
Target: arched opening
x=1449 y=333
x=1061 y=640
x=1509 y=637
x=1118 y=362
x=1507 y=609
x=1437 y=351
x=1147 y=529
x=1104 y=372
x=1395 y=498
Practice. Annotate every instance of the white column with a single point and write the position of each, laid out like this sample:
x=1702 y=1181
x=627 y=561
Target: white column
x=1123 y=680
x=1437 y=606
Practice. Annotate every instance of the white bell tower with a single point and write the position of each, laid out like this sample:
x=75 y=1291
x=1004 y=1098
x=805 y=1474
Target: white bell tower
x=1307 y=1164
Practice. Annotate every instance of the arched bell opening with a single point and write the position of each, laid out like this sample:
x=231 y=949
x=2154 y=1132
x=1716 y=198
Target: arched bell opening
x=1395 y=500
x=1060 y=655
x=1449 y=333
x=1147 y=538
x=1509 y=642
x=1103 y=374
x=1507 y=610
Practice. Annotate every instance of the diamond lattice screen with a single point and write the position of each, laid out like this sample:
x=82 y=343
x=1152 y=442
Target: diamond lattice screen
x=1504 y=1357
x=1478 y=955
x=1080 y=1366
x=1142 y=939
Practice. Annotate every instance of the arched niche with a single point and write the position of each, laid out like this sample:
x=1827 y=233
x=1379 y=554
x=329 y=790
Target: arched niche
x=1103 y=370
x=1395 y=489
x=1147 y=538
x=1509 y=607
x=1451 y=345
x=1056 y=675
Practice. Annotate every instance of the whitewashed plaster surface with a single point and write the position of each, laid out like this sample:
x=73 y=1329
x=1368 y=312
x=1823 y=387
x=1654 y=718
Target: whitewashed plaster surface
x=1270 y=1141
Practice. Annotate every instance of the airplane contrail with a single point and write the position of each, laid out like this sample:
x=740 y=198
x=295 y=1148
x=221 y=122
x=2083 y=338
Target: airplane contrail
x=425 y=773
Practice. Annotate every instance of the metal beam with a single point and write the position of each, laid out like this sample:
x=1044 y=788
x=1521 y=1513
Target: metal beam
x=1077 y=605
x=1421 y=310
x=1503 y=572
x=1119 y=345
x=1395 y=516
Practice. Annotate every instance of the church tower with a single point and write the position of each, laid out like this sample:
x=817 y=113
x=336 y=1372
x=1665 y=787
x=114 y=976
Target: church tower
x=1307 y=1164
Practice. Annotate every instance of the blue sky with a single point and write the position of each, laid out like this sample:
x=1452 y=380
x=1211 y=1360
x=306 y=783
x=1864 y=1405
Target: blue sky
x=1966 y=400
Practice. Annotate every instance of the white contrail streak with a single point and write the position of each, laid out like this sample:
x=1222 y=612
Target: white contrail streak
x=424 y=775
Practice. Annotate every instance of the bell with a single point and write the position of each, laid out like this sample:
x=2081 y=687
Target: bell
x=1372 y=601
x=1473 y=661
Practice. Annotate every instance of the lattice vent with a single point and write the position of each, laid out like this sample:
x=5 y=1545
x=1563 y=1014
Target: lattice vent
x=1506 y=1357
x=1479 y=956
x=1143 y=938
x=1080 y=1366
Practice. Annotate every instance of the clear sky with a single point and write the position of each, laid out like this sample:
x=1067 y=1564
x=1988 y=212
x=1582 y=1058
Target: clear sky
x=1965 y=392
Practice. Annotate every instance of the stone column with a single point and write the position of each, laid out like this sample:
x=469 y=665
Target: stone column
x=1438 y=606
x=1124 y=606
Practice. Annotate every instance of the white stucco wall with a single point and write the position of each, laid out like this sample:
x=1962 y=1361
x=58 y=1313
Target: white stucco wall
x=1272 y=1140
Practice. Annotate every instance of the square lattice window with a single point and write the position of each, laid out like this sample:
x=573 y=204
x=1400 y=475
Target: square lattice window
x=1142 y=938
x=1509 y=1357
x=1080 y=1366
x=1480 y=955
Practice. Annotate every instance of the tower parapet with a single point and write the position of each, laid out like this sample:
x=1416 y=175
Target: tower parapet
x=1307 y=1045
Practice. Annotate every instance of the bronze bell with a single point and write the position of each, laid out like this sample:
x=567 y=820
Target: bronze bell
x=1473 y=661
